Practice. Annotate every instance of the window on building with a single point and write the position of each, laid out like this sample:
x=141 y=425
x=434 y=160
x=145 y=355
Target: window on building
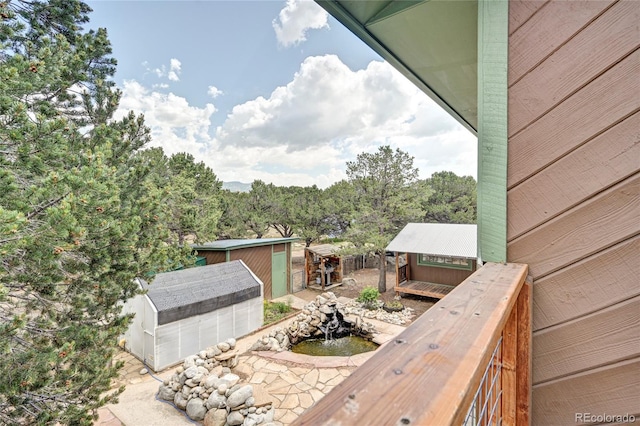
x=444 y=261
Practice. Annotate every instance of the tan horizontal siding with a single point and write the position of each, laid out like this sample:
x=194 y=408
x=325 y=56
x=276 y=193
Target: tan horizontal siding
x=594 y=166
x=520 y=11
x=545 y=32
x=612 y=389
x=601 y=338
x=577 y=62
x=608 y=277
x=600 y=222
x=609 y=99
x=574 y=200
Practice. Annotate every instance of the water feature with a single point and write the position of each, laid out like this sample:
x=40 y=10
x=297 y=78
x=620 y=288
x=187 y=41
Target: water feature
x=343 y=346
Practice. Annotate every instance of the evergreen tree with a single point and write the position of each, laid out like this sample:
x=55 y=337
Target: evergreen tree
x=386 y=199
x=76 y=224
x=452 y=198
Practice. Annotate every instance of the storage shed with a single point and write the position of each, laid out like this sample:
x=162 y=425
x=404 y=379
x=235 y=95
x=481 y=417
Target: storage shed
x=268 y=258
x=186 y=311
x=322 y=265
x=432 y=258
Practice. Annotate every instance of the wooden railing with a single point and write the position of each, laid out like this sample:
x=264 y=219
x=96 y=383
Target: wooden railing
x=466 y=361
x=402 y=274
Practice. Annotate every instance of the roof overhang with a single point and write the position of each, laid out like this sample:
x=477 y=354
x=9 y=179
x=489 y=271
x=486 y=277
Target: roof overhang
x=431 y=42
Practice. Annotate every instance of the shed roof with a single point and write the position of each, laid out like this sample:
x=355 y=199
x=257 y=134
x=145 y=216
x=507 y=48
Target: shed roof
x=224 y=245
x=324 y=249
x=440 y=239
x=195 y=291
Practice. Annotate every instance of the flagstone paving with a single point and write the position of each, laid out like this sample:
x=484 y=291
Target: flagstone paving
x=292 y=382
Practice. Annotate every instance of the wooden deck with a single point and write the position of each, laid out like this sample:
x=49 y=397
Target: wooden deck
x=421 y=288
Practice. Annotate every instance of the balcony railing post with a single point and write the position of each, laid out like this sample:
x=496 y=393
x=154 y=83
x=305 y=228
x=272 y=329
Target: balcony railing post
x=509 y=367
x=523 y=358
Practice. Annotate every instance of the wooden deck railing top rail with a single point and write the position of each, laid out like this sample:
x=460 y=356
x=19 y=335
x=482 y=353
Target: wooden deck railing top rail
x=429 y=374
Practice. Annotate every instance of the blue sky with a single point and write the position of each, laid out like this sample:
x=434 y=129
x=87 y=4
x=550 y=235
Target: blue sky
x=271 y=90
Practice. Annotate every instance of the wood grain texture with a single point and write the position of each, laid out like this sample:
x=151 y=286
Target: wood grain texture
x=598 y=164
x=421 y=288
x=448 y=276
x=493 y=50
x=596 y=282
x=613 y=389
x=258 y=259
x=509 y=366
x=601 y=338
x=428 y=374
x=520 y=11
x=606 y=41
x=524 y=362
x=603 y=103
x=547 y=30
x=602 y=221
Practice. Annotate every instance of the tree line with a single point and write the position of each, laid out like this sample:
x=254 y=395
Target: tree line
x=86 y=207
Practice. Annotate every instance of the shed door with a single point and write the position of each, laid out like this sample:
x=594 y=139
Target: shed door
x=278 y=275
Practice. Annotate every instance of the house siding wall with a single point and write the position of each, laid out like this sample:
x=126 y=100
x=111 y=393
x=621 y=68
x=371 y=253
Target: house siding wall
x=437 y=275
x=573 y=199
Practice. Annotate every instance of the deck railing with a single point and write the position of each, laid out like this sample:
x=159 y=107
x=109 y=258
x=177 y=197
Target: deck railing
x=466 y=361
x=402 y=275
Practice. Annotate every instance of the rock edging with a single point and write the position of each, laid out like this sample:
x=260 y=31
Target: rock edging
x=205 y=387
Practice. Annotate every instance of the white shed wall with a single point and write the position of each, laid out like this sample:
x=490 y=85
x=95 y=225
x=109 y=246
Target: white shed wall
x=179 y=339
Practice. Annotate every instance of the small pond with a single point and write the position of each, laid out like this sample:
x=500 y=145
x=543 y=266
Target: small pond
x=343 y=346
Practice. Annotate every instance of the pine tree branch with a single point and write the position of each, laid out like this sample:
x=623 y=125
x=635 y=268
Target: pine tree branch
x=46 y=206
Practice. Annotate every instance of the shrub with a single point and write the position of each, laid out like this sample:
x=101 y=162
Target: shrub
x=275 y=311
x=369 y=297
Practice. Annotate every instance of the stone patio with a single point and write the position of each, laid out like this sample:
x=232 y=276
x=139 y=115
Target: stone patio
x=292 y=382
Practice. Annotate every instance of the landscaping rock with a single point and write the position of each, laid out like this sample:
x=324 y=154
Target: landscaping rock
x=196 y=409
x=180 y=400
x=166 y=393
x=215 y=417
x=238 y=397
x=235 y=418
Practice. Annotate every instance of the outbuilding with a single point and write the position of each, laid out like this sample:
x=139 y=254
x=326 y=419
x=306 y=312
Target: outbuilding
x=322 y=265
x=185 y=311
x=268 y=258
x=433 y=258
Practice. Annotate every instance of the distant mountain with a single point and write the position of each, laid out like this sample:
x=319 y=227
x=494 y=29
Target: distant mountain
x=235 y=186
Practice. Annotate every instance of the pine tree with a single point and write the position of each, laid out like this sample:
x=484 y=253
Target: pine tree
x=76 y=223
x=386 y=199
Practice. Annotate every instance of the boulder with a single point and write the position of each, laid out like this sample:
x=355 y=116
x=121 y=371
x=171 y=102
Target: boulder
x=166 y=393
x=180 y=400
x=196 y=409
x=216 y=400
x=235 y=418
x=238 y=397
x=215 y=417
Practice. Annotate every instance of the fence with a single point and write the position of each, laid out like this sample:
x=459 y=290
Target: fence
x=297 y=281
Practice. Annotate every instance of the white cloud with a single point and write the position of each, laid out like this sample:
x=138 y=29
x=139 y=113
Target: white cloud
x=173 y=74
x=214 y=92
x=176 y=126
x=295 y=19
x=304 y=132
x=174 y=70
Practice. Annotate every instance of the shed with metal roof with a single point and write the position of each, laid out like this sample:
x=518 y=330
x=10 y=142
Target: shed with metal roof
x=268 y=258
x=185 y=311
x=432 y=258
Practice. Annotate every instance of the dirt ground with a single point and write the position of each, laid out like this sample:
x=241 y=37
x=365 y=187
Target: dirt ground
x=368 y=277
